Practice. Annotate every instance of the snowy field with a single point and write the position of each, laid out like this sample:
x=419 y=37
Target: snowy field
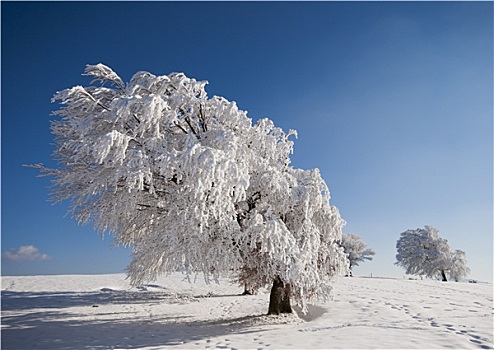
x=103 y=312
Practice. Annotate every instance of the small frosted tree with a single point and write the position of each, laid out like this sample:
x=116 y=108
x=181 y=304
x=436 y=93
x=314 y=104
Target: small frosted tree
x=191 y=184
x=458 y=268
x=355 y=249
x=423 y=252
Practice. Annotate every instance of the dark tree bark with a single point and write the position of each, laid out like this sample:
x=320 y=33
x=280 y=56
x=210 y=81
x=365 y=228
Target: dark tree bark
x=444 y=276
x=247 y=290
x=279 y=299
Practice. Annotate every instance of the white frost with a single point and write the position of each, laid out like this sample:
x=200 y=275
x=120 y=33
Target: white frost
x=192 y=184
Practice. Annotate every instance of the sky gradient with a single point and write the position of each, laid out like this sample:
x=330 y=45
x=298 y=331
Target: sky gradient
x=392 y=101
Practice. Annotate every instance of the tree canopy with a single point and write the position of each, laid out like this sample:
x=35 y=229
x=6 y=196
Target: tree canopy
x=355 y=249
x=423 y=252
x=192 y=184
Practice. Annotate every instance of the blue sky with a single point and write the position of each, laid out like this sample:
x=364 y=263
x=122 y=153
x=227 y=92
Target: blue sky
x=392 y=101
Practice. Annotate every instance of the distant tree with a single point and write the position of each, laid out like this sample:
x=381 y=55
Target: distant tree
x=423 y=252
x=355 y=249
x=458 y=268
x=191 y=184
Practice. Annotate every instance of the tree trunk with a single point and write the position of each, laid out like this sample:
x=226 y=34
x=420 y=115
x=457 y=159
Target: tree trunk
x=247 y=290
x=279 y=299
x=444 y=276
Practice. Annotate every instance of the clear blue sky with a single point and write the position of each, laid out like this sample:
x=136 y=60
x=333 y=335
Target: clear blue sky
x=392 y=102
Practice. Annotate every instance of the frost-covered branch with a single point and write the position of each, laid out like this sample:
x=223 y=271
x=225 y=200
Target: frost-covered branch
x=103 y=74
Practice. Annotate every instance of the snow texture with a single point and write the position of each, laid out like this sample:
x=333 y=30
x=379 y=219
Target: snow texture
x=105 y=312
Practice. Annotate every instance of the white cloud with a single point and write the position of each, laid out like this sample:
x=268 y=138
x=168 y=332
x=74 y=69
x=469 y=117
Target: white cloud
x=25 y=253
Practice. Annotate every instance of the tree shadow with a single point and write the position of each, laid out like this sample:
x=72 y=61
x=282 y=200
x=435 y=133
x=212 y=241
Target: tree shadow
x=14 y=300
x=43 y=320
x=313 y=312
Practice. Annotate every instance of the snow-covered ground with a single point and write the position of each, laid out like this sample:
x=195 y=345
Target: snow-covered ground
x=103 y=312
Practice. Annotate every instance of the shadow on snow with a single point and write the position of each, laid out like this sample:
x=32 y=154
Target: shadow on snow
x=51 y=325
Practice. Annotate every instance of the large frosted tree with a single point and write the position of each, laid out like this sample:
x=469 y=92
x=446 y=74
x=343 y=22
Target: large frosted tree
x=423 y=252
x=191 y=184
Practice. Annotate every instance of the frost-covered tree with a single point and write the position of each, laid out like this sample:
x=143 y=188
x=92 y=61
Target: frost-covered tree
x=355 y=249
x=458 y=268
x=423 y=252
x=191 y=184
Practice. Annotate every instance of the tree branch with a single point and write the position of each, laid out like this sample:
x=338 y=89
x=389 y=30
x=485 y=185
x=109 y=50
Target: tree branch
x=202 y=118
x=94 y=100
x=180 y=127
x=187 y=120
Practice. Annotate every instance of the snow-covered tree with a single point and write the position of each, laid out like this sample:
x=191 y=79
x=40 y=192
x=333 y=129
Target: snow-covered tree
x=355 y=249
x=458 y=268
x=191 y=184
x=423 y=252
